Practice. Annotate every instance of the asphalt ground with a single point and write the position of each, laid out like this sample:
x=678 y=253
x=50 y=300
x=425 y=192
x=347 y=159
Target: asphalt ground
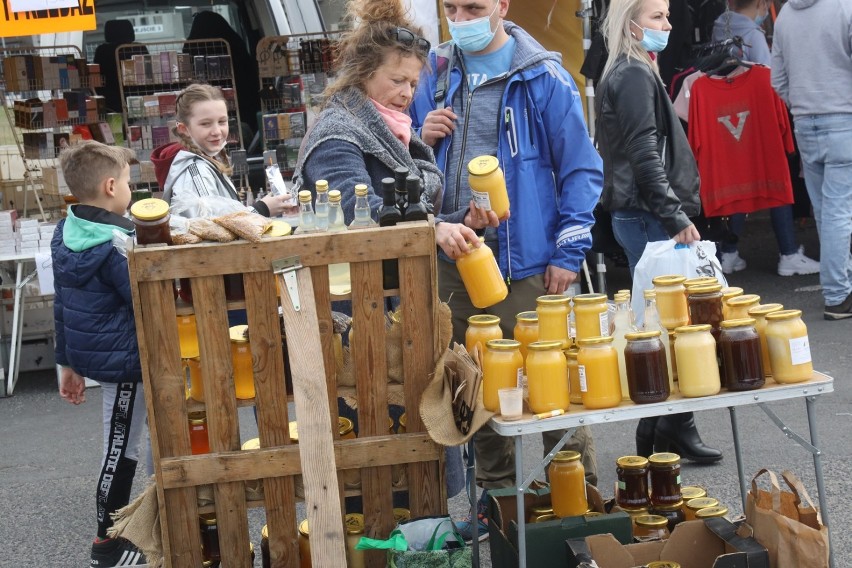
x=50 y=450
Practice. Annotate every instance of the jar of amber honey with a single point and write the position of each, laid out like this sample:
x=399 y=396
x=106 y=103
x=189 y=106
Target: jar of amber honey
x=568 y=485
x=526 y=330
x=575 y=395
x=151 y=218
x=187 y=336
x=705 y=306
x=553 y=312
x=650 y=527
x=671 y=301
x=598 y=370
x=304 y=545
x=742 y=362
x=727 y=293
x=198 y=438
x=759 y=314
x=590 y=316
x=481 y=329
x=739 y=306
x=481 y=277
x=647 y=370
x=242 y=362
x=547 y=376
x=664 y=472
x=196 y=379
x=632 y=486
x=789 y=348
x=502 y=368
x=488 y=185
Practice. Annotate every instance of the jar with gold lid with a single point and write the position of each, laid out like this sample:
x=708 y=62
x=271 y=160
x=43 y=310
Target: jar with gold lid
x=188 y=336
x=536 y=513
x=568 y=484
x=729 y=292
x=198 y=439
x=304 y=545
x=663 y=564
x=553 y=311
x=697 y=366
x=705 y=306
x=739 y=306
x=487 y=185
x=742 y=362
x=151 y=218
x=632 y=485
x=575 y=395
x=481 y=329
x=502 y=368
x=590 y=316
x=694 y=505
x=209 y=537
x=354 y=524
x=547 y=376
x=664 y=473
x=598 y=370
x=481 y=276
x=672 y=513
x=759 y=314
x=526 y=330
x=699 y=281
x=711 y=512
x=789 y=347
x=650 y=527
x=645 y=363
x=671 y=301
x=689 y=492
x=242 y=361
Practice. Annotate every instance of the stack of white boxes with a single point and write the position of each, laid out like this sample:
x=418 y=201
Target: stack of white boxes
x=45 y=235
x=28 y=236
x=7 y=233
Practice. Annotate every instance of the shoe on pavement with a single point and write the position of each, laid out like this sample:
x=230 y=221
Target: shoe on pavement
x=797 y=263
x=467 y=527
x=840 y=311
x=115 y=552
x=732 y=262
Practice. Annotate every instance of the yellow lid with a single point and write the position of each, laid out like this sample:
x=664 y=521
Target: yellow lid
x=197 y=417
x=621 y=297
x=572 y=353
x=303 y=529
x=668 y=507
x=483 y=319
x=784 y=315
x=744 y=300
x=552 y=299
x=590 y=299
x=294 y=431
x=253 y=444
x=354 y=523
x=703 y=289
x=344 y=425
x=631 y=462
x=637 y=335
x=663 y=564
x=566 y=456
x=764 y=309
x=546 y=517
x=360 y=189
x=700 y=281
x=305 y=196
x=740 y=322
x=623 y=291
x=655 y=521
x=649 y=294
x=400 y=514
x=542 y=510
x=149 y=209
x=264 y=532
x=668 y=280
x=692 y=492
x=603 y=340
x=692 y=328
x=207 y=519
x=278 y=228
x=334 y=195
x=503 y=344
x=544 y=345
x=321 y=185
x=482 y=165
x=711 y=512
x=665 y=458
x=702 y=503
x=238 y=333
x=527 y=317
x=731 y=292
x=635 y=512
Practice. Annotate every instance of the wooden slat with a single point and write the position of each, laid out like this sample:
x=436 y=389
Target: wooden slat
x=232 y=523
x=322 y=501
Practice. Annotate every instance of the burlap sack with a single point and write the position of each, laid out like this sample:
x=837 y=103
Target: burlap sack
x=139 y=522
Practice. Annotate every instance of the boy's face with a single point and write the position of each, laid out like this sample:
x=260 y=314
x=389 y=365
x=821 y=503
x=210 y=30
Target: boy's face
x=121 y=191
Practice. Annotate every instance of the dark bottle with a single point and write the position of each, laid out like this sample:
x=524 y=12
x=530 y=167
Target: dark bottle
x=400 y=174
x=415 y=209
x=389 y=215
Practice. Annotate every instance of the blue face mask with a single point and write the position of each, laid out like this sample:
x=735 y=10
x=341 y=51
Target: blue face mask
x=653 y=40
x=473 y=35
x=760 y=18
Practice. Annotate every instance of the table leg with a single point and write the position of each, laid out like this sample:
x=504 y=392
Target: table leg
x=522 y=524
x=17 y=329
x=735 y=430
x=820 y=483
x=470 y=471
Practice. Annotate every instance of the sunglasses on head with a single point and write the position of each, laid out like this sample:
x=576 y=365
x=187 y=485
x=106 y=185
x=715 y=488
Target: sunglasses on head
x=409 y=39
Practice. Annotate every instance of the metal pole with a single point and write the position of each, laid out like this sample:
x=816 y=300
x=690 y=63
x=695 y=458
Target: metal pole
x=522 y=525
x=470 y=471
x=739 y=455
x=820 y=483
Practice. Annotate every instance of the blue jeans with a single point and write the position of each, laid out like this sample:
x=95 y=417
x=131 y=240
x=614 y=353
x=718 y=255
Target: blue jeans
x=633 y=229
x=782 y=224
x=825 y=143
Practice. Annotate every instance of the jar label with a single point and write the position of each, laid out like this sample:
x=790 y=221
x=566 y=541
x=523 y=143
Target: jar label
x=581 y=370
x=482 y=199
x=604 y=323
x=520 y=374
x=622 y=485
x=678 y=479
x=800 y=350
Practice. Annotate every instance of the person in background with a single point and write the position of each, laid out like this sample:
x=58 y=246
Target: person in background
x=745 y=19
x=812 y=73
x=507 y=96
x=95 y=327
x=650 y=176
x=116 y=32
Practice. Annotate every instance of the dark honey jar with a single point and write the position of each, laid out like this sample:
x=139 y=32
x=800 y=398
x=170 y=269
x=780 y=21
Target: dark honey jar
x=151 y=217
x=632 y=488
x=664 y=470
x=647 y=371
x=705 y=306
x=742 y=359
x=209 y=537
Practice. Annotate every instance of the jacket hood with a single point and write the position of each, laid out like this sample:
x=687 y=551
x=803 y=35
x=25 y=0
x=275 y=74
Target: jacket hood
x=162 y=157
x=87 y=237
x=801 y=4
x=528 y=51
x=734 y=24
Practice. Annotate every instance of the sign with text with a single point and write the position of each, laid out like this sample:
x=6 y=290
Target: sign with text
x=79 y=17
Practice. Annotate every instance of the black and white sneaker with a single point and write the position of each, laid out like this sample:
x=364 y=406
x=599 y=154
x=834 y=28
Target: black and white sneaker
x=840 y=311
x=115 y=552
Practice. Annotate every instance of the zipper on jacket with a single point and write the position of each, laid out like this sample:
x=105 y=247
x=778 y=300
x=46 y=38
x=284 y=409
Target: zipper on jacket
x=463 y=148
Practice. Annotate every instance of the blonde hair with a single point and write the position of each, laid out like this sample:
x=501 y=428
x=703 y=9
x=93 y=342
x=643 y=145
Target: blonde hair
x=366 y=48
x=86 y=165
x=199 y=93
x=618 y=35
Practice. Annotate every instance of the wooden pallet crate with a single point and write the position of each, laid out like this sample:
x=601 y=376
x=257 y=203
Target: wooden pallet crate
x=309 y=334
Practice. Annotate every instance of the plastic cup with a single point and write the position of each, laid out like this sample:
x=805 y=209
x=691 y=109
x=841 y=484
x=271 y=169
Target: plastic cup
x=511 y=403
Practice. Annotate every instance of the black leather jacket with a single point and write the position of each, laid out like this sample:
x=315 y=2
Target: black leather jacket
x=648 y=163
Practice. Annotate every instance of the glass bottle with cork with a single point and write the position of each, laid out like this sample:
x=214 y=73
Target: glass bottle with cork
x=321 y=206
x=336 y=222
x=307 y=219
x=363 y=219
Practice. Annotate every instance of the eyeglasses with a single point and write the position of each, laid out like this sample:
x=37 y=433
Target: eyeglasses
x=409 y=39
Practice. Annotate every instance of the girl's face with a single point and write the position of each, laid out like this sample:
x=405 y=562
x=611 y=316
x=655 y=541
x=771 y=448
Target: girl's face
x=654 y=16
x=207 y=126
x=392 y=85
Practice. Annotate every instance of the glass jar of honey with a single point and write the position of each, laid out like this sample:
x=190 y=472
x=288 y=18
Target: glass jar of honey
x=242 y=362
x=672 y=513
x=198 y=438
x=789 y=348
x=568 y=485
x=671 y=301
x=664 y=472
x=526 y=330
x=650 y=527
x=645 y=363
x=739 y=306
x=694 y=505
x=481 y=329
x=354 y=523
x=488 y=185
x=759 y=314
x=553 y=312
x=547 y=376
x=590 y=316
x=196 y=379
x=663 y=564
x=575 y=395
x=151 y=218
x=502 y=368
x=481 y=277
x=632 y=485
x=711 y=513
x=304 y=545
x=692 y=492
x=699 y=281
x=209 y=538
x=727 y=293
x=188 y=336
x=705 y=306
x=598 y=370
x=697 y=366
x=742 y=362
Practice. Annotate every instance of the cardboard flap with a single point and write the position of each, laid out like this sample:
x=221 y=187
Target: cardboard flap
x=608 y=552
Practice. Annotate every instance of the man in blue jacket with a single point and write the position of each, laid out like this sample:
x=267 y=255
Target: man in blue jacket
x=495 y=90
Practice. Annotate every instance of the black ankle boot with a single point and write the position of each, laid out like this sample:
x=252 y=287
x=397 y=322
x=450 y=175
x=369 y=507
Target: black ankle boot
x=645 y=436
x=678 y=434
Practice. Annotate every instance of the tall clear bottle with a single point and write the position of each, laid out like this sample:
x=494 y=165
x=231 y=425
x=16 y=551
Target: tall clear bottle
x=335 y=212
x=415 y=209
x=651 y=322
x=389 y=215
x=307 y=218
x=619 y=342
x=362 y=219
x=321 y=205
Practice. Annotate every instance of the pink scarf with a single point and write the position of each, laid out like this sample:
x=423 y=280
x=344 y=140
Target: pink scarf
x=399 y=123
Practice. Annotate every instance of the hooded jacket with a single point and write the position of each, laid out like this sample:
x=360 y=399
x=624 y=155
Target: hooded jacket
x=553 y=173
x=93 y=309
x=812 y=56
x=731 y=24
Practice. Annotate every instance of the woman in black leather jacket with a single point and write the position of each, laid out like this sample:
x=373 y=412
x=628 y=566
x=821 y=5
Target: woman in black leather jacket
x=650 y=176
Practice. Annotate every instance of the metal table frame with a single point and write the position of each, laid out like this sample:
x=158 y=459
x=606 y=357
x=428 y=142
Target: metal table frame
x=21 y=280
x=820 y=384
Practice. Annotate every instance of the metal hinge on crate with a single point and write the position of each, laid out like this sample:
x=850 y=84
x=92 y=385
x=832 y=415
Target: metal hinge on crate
x=287 y=268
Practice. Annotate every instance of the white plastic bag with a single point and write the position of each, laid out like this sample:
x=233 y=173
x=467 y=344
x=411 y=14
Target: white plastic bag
x=668 y=257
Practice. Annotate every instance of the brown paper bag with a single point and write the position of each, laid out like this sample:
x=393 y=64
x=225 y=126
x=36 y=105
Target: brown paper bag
x=789 y=529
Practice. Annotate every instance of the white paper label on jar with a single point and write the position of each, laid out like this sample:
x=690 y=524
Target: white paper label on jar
x=520 y=376
x=800 y=350
x=482 y=199
x=581 y=370
x=604 y=323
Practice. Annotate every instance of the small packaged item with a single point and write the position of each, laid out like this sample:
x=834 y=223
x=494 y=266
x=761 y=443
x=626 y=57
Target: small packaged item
x=249 y=226
x=210 y=231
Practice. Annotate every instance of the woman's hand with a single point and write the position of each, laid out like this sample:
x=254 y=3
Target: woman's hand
x=281 y=204
x=478 y=218
x=687 y=236
x=453 y=238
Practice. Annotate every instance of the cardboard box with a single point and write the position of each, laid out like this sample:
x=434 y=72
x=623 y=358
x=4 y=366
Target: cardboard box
x=713 y=543
x=545 y=541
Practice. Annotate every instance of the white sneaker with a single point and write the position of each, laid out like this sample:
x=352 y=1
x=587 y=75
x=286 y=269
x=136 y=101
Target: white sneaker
x=797 y=263
x=732 y=262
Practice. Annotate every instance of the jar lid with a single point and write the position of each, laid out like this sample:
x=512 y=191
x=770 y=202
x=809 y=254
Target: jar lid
x=360 y=189
x=547 y=518
x=542 y=510
x=632 y=462
x=149 y=209
x=483 y=319
x=401 y=514
x=344 y=425
x=303 y=529
x=544 y=345
x=572 y=353
x=703 y=289
x=239 y=333
x=744 y=300
x=621 y=297
x=334 y=195
x=648 y=294
x=635 y=512
x=711 y=512
x=668 y=280
x=602 y=340
x=764 y=309
x=623 y=291
x=590 y=299
x=304 y=196
x=739 y=322
x=253 y=444
x=482 y=165
x=784 y=315
x=207 y=519
x=278 y=228
x=321 y=185
x=552 y=300
x=354 y=523
x=638 y=335
x=692 y=328
x=702 y=503
x=731 y=291
x=700 y=281
x=692 y=492
x=206 y=563
x=294 y=431
x=503 y=344
x=527 y=316
x=668 y=507
x=651 y=521
x=665 y=458
x=663 y=564
x=566 y=456
x=264 y=532
x=197 y=417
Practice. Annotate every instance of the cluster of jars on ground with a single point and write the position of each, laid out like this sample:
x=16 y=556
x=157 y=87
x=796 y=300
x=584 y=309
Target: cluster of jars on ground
x=696 y=339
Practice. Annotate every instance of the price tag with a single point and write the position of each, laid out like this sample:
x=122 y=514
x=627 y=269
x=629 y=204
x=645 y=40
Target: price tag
x=482 y=199
x=582 y=372
x=800 y=350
